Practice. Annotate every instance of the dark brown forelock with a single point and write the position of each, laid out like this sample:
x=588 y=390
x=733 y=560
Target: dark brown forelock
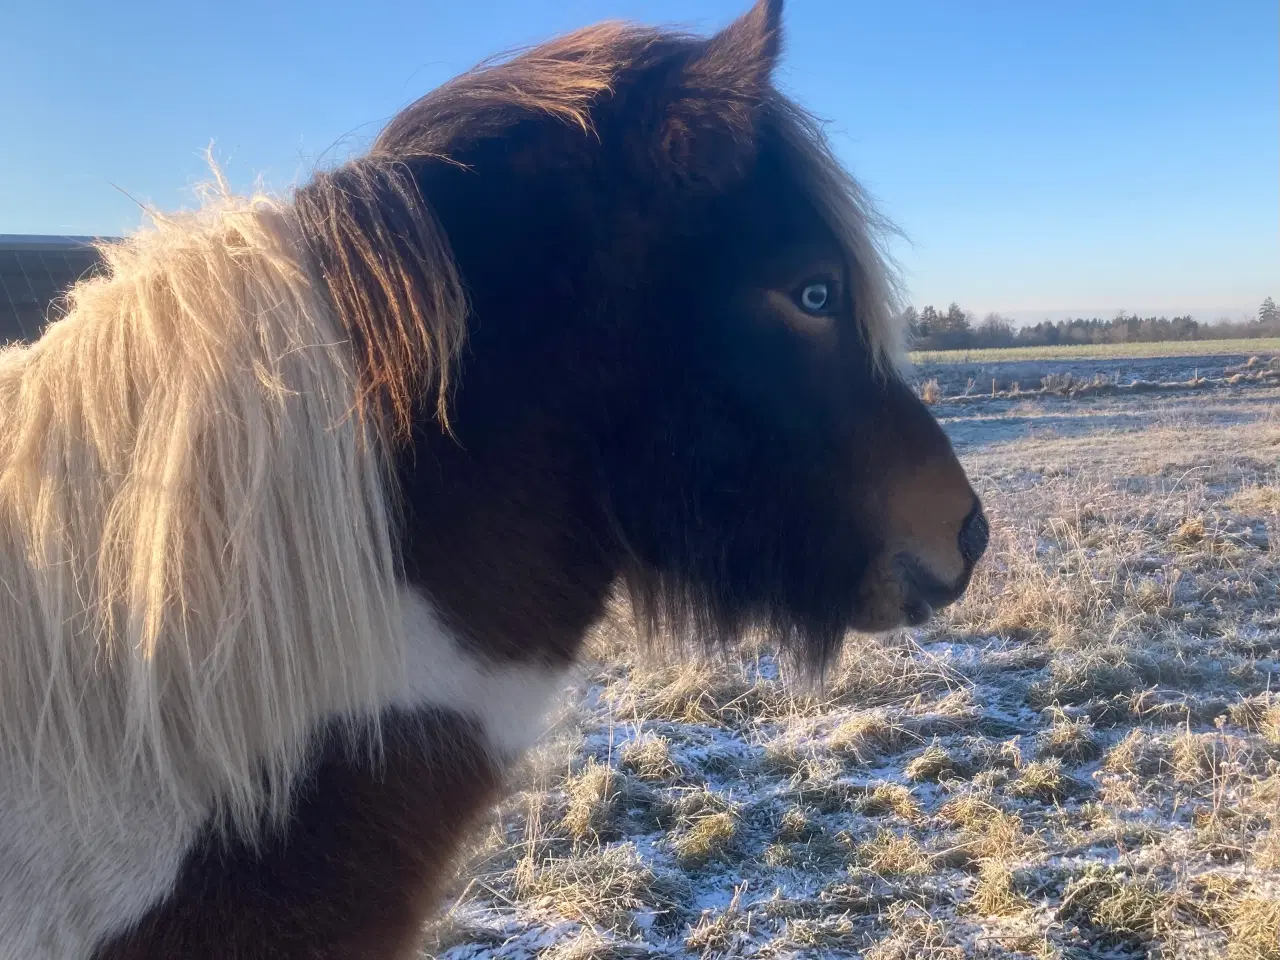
x=390 y=274
x=385 y=258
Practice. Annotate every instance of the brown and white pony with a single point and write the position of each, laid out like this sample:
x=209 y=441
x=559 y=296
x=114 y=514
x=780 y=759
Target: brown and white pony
x=306 y=506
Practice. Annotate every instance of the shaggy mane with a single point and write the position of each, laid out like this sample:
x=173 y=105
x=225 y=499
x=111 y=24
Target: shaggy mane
x=195 y=541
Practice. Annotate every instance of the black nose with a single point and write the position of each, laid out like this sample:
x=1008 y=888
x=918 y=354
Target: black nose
x=974 y=534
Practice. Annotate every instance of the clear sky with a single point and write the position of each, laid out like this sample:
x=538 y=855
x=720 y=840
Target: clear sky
x=1042 y=158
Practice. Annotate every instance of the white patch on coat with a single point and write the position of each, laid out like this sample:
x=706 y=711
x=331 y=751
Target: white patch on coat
x=70 y=880
x=509 y=700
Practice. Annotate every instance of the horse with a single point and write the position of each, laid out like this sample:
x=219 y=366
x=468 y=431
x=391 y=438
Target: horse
x=308 y=503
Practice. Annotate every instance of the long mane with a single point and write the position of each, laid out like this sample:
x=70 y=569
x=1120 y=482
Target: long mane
x=196 y=543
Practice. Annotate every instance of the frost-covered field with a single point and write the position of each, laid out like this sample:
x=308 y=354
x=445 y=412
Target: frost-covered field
x=1082 y=759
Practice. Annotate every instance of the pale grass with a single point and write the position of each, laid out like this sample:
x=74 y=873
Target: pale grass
x=1138 y=754
x=1255 y=929
x=891 y=798
x=701 y=691
x=796 y=825
x=708 y=838
x=717 y=932
x=595 y=798
x=1041 y=780
x=994 y=894
x=867 y=735
x=916 y=936
x=593 y=945
x=649 y=758
x=1266 y=852
x=1119 y=906
x=892 y=853
x=935 y=763
x=1256 y=500
x=1070 y=740
x=605 y=887
x=988 y=832
x=823 y=935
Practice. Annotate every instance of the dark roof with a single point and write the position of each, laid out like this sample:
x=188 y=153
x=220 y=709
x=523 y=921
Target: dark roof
x=34 y=272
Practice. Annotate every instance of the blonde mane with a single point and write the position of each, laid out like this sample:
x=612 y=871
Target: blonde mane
x=196 y=550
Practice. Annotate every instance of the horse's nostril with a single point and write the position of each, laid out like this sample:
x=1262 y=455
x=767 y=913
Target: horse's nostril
x=974 y=533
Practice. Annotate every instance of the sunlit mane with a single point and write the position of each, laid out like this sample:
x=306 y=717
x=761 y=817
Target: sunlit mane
x=195 y=542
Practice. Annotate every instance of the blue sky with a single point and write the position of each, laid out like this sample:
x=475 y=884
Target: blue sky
x=1042 y=158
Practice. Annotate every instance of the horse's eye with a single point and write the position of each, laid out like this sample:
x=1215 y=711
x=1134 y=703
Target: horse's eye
x=814 y=297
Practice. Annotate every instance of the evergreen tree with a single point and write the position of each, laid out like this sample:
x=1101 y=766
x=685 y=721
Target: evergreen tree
x=955 y=321
x=928 y=322
x=1269 y=313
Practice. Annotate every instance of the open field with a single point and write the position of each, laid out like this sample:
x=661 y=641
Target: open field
x=1081 y=759
x=978 y=378
x=1102 y=351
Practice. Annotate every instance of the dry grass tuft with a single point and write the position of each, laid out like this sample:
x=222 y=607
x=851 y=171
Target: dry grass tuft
x=916 y=936
x=593 y=945
x=1199 y=757
x=709 y=838
x=933 y=765
x=817 y=784
x=890 y=798
x=795 y=826
x=716 y=934
x=648 y=758
x=1190 y=533
x=994 y=894
x=788 y=755
x=1255 y=929
x=1270 y=725
x=698 y=802
x=1114 y=907
x=1072 y=741
x=1260 y=714
x=931 y=392
x=823 y=935
x=872 y=674
x=1139 y=754
x=1079 y=678
x=1042 y=780
x=986 y=831
x=893 y=853
x=1256 y=500
x=1266 y=852
x=969 y=810
x=868 y=735
x=698 y=692
x=595 y=803
x=606 y=888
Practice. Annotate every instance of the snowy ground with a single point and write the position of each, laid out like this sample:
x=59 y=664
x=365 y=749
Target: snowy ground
x=1082 y=759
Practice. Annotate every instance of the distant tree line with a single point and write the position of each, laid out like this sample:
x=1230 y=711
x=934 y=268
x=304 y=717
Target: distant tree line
x=957 y=330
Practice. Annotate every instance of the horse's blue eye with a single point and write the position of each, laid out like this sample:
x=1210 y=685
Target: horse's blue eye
x=814 y=297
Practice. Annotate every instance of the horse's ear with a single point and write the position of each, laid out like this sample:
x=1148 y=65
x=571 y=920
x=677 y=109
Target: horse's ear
x=750 y=45
x=709 y=132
